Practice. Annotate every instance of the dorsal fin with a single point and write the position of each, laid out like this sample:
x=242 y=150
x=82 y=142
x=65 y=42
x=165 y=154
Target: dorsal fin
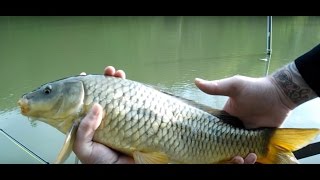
x=222 y=115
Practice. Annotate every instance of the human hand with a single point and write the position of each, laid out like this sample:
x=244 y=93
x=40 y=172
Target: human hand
x=251 y=158
x=92 y=152
x=111 y=71
x=256 y=101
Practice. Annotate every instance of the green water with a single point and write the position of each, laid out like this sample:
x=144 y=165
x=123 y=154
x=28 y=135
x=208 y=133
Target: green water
x=164 y=51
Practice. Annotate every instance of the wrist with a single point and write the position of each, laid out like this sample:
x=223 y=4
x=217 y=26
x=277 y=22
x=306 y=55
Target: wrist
x=291 y=87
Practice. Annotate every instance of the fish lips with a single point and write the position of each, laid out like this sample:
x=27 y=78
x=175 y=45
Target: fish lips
x=24 y=106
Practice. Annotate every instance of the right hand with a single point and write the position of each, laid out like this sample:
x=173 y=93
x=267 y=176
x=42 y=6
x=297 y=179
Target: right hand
x=256 y=101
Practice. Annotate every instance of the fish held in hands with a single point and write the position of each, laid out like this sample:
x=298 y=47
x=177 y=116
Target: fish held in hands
x=156 y=127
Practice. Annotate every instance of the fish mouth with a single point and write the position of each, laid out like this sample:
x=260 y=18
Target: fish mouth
x=24 y=106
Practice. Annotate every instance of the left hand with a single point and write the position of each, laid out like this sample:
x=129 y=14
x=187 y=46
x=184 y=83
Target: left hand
x=92 y=152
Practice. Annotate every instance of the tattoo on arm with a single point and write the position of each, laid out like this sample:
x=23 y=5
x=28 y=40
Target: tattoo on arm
x=293 y=85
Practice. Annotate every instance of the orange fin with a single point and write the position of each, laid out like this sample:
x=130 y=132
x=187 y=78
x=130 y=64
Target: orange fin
x=284 y=141
x=150 y=158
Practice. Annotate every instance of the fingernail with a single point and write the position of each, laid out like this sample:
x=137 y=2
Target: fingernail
x=95 y=110
x=198 y=79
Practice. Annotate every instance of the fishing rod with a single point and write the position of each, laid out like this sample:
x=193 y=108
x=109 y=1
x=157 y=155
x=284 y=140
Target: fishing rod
x=27 y=150
x=269 y=38
x=269 y=49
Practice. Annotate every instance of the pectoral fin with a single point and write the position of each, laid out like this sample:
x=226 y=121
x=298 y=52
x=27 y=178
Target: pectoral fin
x=150 y=158
x=68 y=144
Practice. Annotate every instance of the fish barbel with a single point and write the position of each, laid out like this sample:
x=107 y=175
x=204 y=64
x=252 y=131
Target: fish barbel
x=156 y=127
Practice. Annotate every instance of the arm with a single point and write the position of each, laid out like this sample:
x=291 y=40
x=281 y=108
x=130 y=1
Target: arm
x=308 y=66
x=292 y=88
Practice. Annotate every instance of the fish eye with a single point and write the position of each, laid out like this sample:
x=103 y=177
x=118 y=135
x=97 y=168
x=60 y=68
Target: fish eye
x=47 y=89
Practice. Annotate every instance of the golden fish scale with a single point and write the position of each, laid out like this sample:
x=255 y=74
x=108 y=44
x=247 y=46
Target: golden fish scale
x=139 y=118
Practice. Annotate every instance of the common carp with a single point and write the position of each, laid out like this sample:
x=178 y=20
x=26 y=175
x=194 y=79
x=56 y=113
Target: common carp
x=156 y=127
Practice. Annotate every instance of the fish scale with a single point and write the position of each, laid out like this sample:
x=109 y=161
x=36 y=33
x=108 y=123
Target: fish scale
x=139 y=118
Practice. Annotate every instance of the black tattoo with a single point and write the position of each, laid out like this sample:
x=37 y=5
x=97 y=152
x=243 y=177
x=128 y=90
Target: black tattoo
x=295 y=92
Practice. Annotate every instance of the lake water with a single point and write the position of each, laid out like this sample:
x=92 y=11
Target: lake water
x=164 y=51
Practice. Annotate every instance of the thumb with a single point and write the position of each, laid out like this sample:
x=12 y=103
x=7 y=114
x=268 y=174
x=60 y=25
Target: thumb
x=224 y=87
x=90 y=123
x=83 y=144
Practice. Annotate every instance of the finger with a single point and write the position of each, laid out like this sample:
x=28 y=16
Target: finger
x=225 y=87
x=120 y=74
x=237 y=160
x=87 y=128
x=109 y=71
x=250 y=159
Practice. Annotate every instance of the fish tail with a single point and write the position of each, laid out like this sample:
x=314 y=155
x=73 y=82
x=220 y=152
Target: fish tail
x=283 y=142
